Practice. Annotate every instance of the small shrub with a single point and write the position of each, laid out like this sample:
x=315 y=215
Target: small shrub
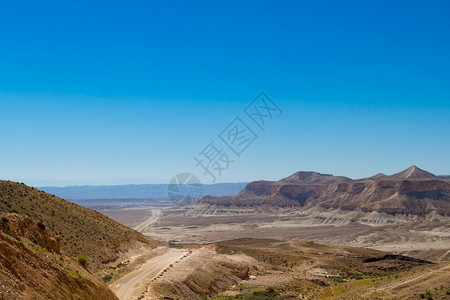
x=83 y=261
x=359 y=277
x=428 y=295
x=41 y=225
x=270 y=291
x=107 y=278
x=337 y=279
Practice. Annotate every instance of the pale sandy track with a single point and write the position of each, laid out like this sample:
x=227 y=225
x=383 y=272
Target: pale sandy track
x=405 y=283
x=156 y=214
x=440 y=273
x=133 y=284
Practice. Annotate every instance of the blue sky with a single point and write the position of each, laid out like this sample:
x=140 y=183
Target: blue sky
x=96 y=92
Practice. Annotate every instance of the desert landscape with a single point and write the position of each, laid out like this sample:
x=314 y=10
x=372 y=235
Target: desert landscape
x=272 y=236
x=288 y=239
x=224 y=150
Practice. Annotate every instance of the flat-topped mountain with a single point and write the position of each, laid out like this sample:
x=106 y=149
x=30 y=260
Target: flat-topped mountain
x=313 y=178
x=412 y=191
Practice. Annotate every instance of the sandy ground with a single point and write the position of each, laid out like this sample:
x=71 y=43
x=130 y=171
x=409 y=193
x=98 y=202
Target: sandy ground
x=131 y=217
x=135 y=284
x=399 y=234
x=396 y=238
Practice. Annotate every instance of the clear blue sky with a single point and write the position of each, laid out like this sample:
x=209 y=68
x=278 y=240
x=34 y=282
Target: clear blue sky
x=130 y=91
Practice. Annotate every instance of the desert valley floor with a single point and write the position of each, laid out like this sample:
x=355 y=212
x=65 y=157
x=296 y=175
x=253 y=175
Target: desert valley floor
x=288 y=236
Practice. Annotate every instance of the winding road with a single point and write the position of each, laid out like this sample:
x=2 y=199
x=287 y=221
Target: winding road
x=132 y=285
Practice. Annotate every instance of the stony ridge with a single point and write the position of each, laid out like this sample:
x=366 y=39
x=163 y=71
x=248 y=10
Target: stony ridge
x=412 y=191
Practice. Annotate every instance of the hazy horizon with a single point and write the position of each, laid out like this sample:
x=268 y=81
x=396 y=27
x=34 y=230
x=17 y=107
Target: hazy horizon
x=58 y=183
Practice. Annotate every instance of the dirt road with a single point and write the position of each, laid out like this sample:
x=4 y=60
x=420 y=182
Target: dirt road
x=156 y=214
x=132 y=285
x=396 y=288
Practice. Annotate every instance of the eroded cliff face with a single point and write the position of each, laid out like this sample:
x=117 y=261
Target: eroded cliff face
x=32 y=265
x=412 y=191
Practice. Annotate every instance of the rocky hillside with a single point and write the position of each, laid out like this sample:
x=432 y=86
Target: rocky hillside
x=81 y=231
x=412 y=191
x=32 y=265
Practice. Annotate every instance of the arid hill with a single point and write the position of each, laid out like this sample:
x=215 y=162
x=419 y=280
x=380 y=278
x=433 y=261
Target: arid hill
x=32 y=265
x=412 y=191
x=251 y=268
x=82 y=231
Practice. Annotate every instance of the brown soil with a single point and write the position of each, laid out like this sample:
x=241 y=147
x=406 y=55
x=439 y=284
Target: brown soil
x=32 y=266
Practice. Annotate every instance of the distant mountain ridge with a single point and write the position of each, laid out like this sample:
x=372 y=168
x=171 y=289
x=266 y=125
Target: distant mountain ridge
x=411 y=191
x=136 y=191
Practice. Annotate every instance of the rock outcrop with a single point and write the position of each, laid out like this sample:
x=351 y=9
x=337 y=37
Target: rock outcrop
x=412 y=191
x=32 y=265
